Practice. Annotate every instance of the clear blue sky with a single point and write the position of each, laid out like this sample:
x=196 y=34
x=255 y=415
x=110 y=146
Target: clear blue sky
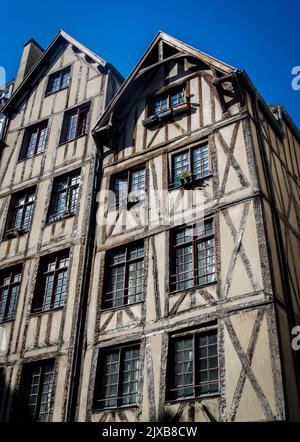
x=260 y=36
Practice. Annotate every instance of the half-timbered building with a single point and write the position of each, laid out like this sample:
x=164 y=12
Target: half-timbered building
x=189 y=323
x=47 y=180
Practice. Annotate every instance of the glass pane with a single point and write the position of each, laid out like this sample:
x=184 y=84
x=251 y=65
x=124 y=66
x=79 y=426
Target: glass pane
x=183 y=376
x=181 y=164
x=200 y=161
x=121 y=190
x=137 y=183
x=183 y=268
x=205 y=261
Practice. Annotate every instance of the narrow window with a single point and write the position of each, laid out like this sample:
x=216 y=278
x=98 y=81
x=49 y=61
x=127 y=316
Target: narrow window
x=129 y=187
x=118 y=377
x=193 y=161
x=20 y=213
x=64 y=196
x=193 y=365
x=37 y=386
x=10 y=280
x=193 y=256
x=58 y=80
x=51 y=285
x=125 y=277
x=74 y=124
x=34 y=141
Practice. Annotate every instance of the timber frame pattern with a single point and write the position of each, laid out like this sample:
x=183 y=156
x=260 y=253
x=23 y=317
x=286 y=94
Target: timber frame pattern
x=252 y=194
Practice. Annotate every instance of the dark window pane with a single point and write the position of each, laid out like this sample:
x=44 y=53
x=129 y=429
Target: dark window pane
x=51 y=282
x=126 y=276
x=193 y=259
x=9 y=291
x=74 y=124
x=20 y=212
x=34 y=141
x=118 y=377
x=58 y=80
x=64 y=196
x=193 y=372
x=38 y=380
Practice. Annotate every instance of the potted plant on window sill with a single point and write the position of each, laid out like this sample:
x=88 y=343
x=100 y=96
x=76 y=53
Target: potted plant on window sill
x=185 y=178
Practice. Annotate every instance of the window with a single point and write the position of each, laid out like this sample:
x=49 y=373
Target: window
x=20 y=213
x=193 y=161
x=51 y=282
x=129 y=187
x=126 y=276
x=168 y=100
x=37 y=385
x=193 y=365
x=34 y=141
x=59 y=80
x=74 y=124
x=117 y=383
x=193 y=256
x=64 y=196
x=10 y=280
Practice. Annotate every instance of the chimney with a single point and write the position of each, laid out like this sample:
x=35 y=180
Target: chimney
x=31 y=52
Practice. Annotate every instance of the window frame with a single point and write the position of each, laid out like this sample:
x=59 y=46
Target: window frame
x=98 y=397
x=26 y=382
x=190 y=150
x=39 y=296
x=195 y=335
x=60 y=72
x=10 y=227
x=67 y=213
x=126 y=173
x=16 y=270
x=194 y=241
x=108 y=278
x=26 y=138
x=167 y=96
x=83 y=109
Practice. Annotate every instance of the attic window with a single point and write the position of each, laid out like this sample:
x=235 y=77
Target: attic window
x=166 y=105
x=59 y=80
x=168 y=101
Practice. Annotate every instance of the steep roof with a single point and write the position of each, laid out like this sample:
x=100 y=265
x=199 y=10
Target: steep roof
x=60 y=38
x=182 y=49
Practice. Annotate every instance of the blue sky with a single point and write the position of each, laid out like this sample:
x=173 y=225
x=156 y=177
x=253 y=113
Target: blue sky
x=258 y=36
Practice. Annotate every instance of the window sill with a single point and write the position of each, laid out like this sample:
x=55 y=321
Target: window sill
x=21 y=160
x=7 y=236
x=194 y=287
x=43 y=312
x=47 y=94
x=193 y=183
x=165 y=115
x=193 y=398
x=5 y=321
x=108 y=309
x=70 y=141
x=62 y=218
x=120 y=407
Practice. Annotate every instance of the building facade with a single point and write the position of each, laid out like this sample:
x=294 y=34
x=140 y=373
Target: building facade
x=47 y=172
x=192 y=322
x=116 y=306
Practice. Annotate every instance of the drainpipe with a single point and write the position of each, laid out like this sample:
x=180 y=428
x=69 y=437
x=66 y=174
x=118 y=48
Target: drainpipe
x=79 y=341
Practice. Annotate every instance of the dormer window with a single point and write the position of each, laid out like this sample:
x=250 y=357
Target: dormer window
x=59 y=80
